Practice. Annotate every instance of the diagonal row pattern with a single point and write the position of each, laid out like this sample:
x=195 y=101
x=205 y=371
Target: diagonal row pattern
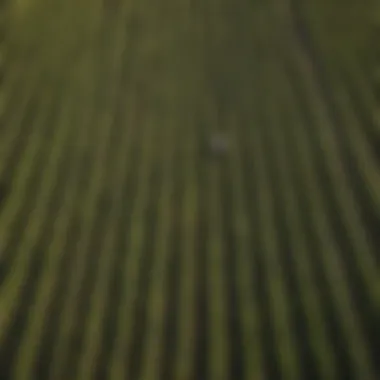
x=125 y=253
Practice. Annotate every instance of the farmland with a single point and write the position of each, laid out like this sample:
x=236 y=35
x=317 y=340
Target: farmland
x=127 y=251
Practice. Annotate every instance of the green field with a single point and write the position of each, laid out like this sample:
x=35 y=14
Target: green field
x=128 y=252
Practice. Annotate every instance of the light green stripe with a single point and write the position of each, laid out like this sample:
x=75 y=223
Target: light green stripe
x=98 y=134
x=122 y=349
x=278 y=295
x=275 y=277
x=156 y=301
x=311 y=300
x=217 y=314
x=249 y=313
x=15 y=279
x=28 y=349
x=344 y=196
x=185 y=355
x=331 y=258
x=108 y=253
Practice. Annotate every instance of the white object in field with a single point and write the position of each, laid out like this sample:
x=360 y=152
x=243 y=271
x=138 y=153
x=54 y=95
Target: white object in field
x=219 y=144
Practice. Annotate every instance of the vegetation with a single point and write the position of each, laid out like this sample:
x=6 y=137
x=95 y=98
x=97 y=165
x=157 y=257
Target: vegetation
x=127 y=253
x=348 y=31
x=347 y=27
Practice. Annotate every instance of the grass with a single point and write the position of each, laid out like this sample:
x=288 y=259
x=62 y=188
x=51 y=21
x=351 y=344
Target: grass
x=127 y=253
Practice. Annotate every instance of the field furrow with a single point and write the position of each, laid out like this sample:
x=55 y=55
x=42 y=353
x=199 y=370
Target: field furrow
x=188 y=190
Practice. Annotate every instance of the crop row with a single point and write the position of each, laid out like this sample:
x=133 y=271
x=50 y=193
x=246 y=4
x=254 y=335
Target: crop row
x=127 y=254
